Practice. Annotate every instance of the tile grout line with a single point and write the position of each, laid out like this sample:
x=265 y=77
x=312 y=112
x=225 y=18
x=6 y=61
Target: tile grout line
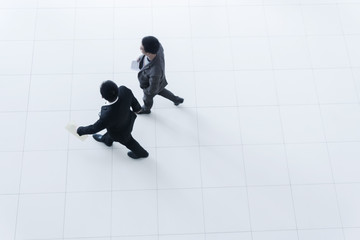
x=180 y=188
x=323 y=128
x=337 y=4
x=26 y=119
x=197 y=124
x=112 y=149
x=70 y=114
x=281 y=121
x=155 y=146
x=251 y=230
x=352 y=67
x=186 y=71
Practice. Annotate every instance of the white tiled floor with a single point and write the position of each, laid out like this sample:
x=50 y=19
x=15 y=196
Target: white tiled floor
x=265 y=147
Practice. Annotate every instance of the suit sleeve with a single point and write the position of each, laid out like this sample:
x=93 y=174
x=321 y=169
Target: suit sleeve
x=135 y=105
x=154 y=81
x=91 y=129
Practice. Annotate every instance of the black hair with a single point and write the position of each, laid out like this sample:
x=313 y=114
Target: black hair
x=109 y=90
x=151 y=44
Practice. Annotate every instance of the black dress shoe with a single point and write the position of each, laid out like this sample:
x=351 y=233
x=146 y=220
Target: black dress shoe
x=134 y=156
x=179 y=101
x=98 y=137
x=144 y=111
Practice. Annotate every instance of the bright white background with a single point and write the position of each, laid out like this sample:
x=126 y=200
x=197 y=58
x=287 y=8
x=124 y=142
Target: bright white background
x=265 y=147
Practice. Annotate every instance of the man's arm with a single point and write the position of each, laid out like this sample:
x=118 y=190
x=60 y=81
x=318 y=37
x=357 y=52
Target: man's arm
x=135 y=105
x=154 y=81
x=91 y=129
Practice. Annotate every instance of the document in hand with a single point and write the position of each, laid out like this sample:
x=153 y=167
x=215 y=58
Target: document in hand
x=72 y=127
x=135 y=65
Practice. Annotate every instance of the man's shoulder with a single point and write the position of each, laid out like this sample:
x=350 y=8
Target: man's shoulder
x=124 y=90
x=105 y=109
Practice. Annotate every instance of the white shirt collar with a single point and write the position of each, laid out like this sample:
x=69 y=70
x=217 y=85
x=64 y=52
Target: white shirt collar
x=107 y=103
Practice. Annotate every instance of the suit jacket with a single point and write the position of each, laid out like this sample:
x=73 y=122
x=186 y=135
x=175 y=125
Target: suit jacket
x=152 y=76
x=117 y=118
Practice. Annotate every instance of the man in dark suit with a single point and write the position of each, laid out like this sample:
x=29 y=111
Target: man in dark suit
x=117 y=118
x=152 y=74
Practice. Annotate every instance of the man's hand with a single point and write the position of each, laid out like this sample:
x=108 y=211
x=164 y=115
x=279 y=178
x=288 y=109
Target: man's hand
x=80 y=131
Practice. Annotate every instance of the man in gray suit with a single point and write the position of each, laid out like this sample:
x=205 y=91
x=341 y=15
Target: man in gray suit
x=152 y=74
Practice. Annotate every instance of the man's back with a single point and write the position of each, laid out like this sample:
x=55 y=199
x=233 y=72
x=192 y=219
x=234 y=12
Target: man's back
x=118 y=117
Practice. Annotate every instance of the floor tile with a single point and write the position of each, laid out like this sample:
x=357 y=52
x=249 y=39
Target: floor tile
x=275 y=235
x=349 y=17
x=203 y=62
x=134 y=213
x=89 y=170
x=40 y=216
x=14 y=133
x=353 y=50
x=55 y=24
x=344 y=160
x=209 y=22
x=331 y=234
x=337 y=123
x=10 y=172
x=17 y=57
x=208 y=87
x=295 y=87
x=240 y=16
x=101 y=21
x=43 y=100
x=348 y=197
x=302 y=124
x=251 y=53
x=130 y=174
x=284 y=20
x=46 y=131
x=51 y=177
x=180 y=211
x=179 y=27
x=176 y=127
x=222 y=166
x=260 y=125
x=8 y=209
x=328 y=52
x=335 y=86
x=321 y=19
x=289 y=52
x=255 y=88
x=178 y=168
x=271 y=208
x=216 y=119
x=309 y=163
x=265 y=165
x=316 y=206
x=53 y=57
x=11 y=84
x=18 y=24
x=88 y=54
x=179 y=55
x=226 y=210
x=87 y=214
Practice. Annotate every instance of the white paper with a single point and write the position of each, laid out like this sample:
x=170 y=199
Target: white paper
x=135 y=65
x=72 y=127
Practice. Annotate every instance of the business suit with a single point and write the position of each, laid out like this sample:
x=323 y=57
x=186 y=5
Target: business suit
x=152 y=79
x=118 y=120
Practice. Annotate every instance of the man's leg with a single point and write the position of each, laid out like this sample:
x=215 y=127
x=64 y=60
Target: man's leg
x=137 y=151
x=104 y=138
x=169 y=95
x=148 y=103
